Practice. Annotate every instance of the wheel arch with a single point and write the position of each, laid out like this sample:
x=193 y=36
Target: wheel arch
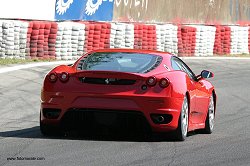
x=188 y=98
x=215 y=99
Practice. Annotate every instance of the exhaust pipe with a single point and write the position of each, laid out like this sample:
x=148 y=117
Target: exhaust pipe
x=51 y=113
x=160 y=119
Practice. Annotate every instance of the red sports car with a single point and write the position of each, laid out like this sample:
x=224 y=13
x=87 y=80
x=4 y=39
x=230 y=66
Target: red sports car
x=126 y=88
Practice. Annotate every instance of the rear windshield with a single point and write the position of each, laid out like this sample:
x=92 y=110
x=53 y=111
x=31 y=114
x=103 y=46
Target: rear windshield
x=120 y=61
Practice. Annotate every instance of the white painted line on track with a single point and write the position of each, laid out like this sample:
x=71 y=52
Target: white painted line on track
x=30 y=65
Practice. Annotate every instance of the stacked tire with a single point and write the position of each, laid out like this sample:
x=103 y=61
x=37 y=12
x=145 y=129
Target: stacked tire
x=149 y=41
x=96 y=36
x=222 y=42
x=16 y=52
x=129 y=36
x=2 y=54
x=166 y=36
x=63 y=41
x=171 y=40
x=249 y=39
x=226 y=38
x=186 y=45
x=69 y=40
x=106 y=32
x=145 y=37
x=160 y=37
x=81 y=39
x=34 y=40
x=50 y=34
x=8 y=39
x=89 y=32
x=239 y=40
x=117 y=35
x=218 y=46
x=41 y=44
x=29 y=31
x=77 y=39
x=205 y=36
x=138 y=35
x=23 y=39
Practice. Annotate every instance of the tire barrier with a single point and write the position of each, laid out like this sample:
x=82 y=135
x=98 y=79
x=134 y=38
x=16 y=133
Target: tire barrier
x=222 y=42
x=50 y=34
x=186 y=40
x=13 y=39
x=167 y=38
x=249 y=39
x=239 y=40
x=97 y=36
x=122 y=35
x=145 y=37
x=70 y=39
x=204 y=41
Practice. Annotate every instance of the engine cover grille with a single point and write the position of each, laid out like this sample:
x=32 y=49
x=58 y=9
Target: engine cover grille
x=107 y=81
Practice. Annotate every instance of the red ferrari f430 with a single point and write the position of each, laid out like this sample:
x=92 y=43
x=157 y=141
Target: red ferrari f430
x=125 y=88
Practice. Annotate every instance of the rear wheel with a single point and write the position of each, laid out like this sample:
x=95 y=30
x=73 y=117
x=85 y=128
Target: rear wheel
x=209 y=124
x=182 y=130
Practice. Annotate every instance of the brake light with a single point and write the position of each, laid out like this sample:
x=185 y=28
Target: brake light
x=164 y=82
x=151 y=81
x=64 y=77
x=53 y=77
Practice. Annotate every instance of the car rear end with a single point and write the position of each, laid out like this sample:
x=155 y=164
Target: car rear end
x=121 y=96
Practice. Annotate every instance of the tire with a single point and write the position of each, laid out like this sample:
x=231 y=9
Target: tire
x=180 y=133
x=209 y=124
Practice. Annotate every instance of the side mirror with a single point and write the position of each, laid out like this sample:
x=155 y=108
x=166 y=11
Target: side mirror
x=206 y=74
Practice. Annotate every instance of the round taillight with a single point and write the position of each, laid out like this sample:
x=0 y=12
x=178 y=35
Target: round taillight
x=164 y=82
x=64 y=77
x=53 y=77
x=151 y=81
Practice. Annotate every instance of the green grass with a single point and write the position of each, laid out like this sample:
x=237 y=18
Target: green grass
x=9 y=61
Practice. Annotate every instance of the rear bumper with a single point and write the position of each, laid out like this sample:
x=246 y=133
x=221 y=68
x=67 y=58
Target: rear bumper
x=146 y=105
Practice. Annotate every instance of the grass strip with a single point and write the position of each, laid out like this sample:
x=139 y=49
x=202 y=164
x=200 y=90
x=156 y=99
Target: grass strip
x=9 y=61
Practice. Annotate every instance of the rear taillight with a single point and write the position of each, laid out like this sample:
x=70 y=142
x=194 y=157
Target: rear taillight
x=64 y=77
x=164 y=82
x=151 y=81
x=53 y=77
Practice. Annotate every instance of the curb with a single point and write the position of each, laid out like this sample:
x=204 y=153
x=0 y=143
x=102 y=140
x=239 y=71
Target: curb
x=30 y=65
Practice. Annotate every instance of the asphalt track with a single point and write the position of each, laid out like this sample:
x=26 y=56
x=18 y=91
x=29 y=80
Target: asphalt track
x=229 y=145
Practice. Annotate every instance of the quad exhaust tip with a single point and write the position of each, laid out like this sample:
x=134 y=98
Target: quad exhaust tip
x=51 y=113
x=161 y=118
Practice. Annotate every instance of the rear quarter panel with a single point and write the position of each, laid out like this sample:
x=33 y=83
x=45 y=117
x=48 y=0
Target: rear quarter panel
x=179 y=82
